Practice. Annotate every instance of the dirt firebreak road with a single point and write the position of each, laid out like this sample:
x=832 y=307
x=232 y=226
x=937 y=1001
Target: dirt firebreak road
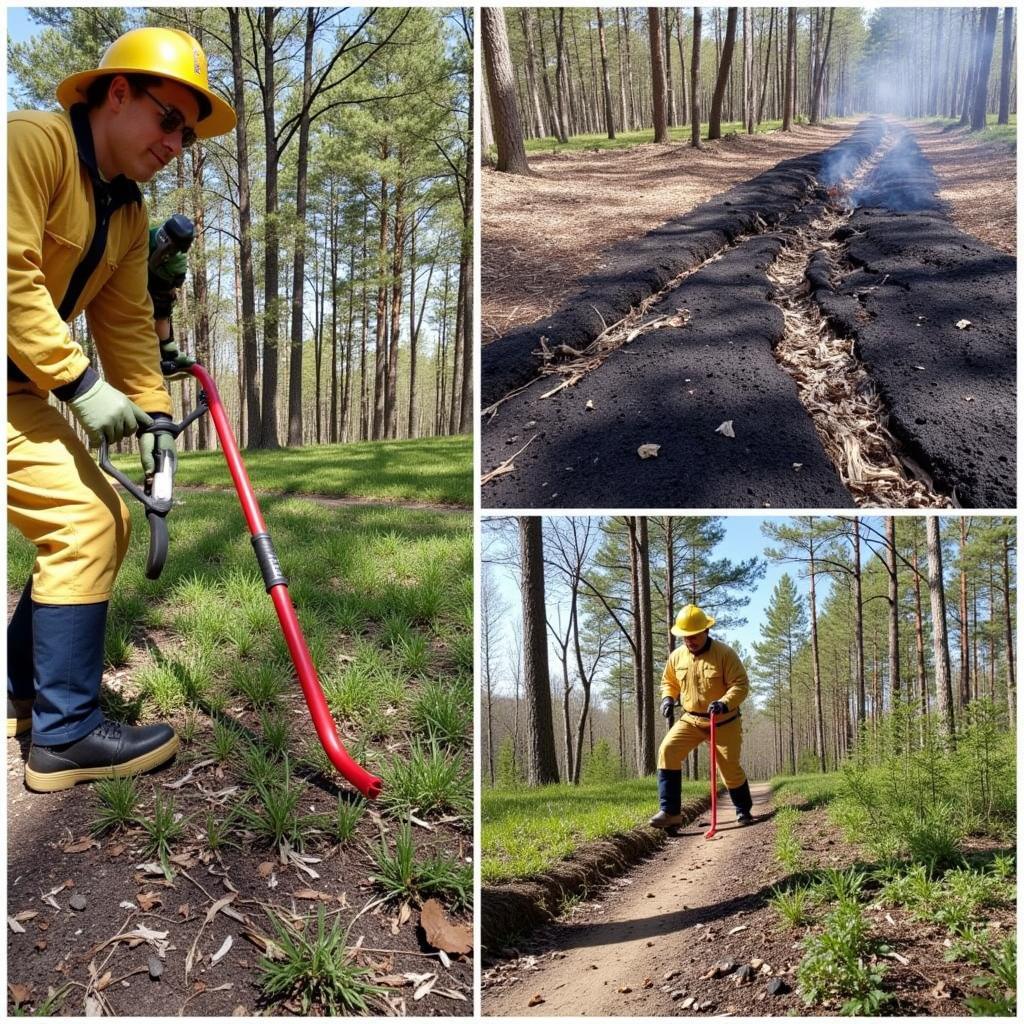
x=930 y=312
x=652 y=924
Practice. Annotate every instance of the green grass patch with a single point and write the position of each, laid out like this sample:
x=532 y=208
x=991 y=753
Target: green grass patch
x=526 y=830
x=992 y=132
x=434 y=469
x=624 y=140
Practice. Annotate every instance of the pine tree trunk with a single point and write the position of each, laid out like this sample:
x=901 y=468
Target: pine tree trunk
x=271 y=255
x=940 y=644
x=250 y=343
x=695 y=82
x=380 y=324
x=609 y=119
x=787 y=100
x=541 y=763
x=985 y=45
x=501 y=91
x=526 y=21
x=894 y=611
x=724 y=65
x=299 y=255
x=647 y=647
x=1006 y=70
x=858 y=622
x=657 y=74
x=819 y=711
x=1011 y=676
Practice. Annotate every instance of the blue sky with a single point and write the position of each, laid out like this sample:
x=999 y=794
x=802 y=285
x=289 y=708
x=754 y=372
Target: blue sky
x=743 y=539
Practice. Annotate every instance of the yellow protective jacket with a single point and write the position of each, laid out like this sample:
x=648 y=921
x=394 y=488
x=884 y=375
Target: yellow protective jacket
x=695 y=680
x=51 y=217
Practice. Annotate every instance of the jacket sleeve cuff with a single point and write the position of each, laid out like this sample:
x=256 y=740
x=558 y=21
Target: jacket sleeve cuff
x=67 y=392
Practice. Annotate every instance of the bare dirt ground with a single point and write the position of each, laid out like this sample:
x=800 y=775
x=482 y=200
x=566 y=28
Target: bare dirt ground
x=648 y=944
x=541 y=234
x=977 y=180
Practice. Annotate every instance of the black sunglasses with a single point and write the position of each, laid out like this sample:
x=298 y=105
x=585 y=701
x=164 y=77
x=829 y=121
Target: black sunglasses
x=172 y=121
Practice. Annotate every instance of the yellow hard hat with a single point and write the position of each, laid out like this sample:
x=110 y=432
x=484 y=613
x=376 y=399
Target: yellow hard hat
x=164 y=53
x=691 y=621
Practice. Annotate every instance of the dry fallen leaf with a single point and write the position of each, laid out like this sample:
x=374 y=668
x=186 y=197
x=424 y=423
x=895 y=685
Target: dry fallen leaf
x=18 y=929
x=268 y=946
x=725 y=429
x=103 y=982
x=222 y=952
x=81 y=846
x=19 y=993
x=423 y=989
x=648 y=451
x=962 y=324
x=266 y=869
x=536 y=999
x=442 y=933
x=391 y=981
x=149 y=900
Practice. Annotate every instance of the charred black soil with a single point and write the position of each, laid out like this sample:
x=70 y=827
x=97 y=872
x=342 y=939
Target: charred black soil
x=698 y=376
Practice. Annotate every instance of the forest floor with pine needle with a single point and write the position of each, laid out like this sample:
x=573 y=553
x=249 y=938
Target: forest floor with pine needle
x=541 y=234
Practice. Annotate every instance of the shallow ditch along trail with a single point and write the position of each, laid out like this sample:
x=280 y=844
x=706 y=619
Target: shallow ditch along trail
x=919 y=321
x=664 y=916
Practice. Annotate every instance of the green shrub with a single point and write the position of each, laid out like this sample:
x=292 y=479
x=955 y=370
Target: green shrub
x=834 y=965
x=603 y=765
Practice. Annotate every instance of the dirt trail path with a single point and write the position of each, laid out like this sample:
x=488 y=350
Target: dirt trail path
x=651 y=922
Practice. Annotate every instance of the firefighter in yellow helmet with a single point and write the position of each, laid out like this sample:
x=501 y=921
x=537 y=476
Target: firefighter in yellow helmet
x=78 y=241
x=707 y=678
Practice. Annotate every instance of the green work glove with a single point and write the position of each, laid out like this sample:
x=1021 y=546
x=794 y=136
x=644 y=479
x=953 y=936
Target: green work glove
x=173 y=363
x=152 y=442
x=106 y=413
x=166 y=279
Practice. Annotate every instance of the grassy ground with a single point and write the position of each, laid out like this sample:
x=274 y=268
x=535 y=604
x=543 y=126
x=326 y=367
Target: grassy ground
x=941 y=892
x=429 y=469
x=526 y=830
x=385 y=598
x=623 y=140
x=992 y=132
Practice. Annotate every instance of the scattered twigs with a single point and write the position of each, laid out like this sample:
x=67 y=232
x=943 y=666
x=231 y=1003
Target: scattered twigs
x=507 y=466
x=833 y=385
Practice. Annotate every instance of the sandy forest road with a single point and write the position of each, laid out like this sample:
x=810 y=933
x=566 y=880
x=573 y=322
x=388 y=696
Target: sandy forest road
x=650 y=922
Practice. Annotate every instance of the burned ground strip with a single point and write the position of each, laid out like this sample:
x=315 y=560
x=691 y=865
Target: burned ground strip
x=933 y=313
x=770 y=361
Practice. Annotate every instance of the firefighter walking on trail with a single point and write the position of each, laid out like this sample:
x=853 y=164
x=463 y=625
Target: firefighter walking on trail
x=707 y=678
x=78 y=241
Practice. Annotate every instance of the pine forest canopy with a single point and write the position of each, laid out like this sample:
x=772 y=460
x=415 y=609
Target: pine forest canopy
x=601 y=70
x=330 y=282
x=823 y=663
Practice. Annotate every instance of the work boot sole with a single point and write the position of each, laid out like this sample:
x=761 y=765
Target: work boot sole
x=51 y=782
x=673 y=822
x=16 y=726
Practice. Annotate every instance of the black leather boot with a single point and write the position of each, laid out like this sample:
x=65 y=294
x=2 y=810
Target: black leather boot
x=670 y=795
x=110 y=750
x=743 y=802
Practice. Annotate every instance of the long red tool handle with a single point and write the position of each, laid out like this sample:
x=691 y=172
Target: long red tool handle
x=714 y=782
x=277 y=586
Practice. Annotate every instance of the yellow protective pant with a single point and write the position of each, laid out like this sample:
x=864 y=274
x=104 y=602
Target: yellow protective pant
x=60 y=500
x=689 y=733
